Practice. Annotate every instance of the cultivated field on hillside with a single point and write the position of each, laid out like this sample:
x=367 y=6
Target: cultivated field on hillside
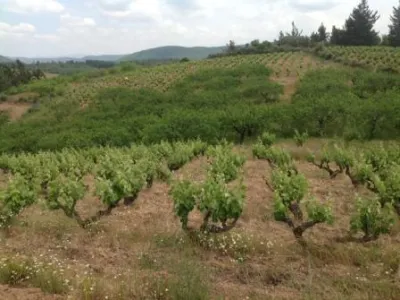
x=373 y=58
x=241 y=177
x=82 y=88
x=235 y=98
x=141 y=251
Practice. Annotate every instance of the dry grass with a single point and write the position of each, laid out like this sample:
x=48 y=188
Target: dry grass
x=15 y=110
x=140 y=252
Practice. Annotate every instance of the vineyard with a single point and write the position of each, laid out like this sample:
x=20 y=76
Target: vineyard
x=373 y=58
x=81 y=89
x=268 y=176
x=276 y=219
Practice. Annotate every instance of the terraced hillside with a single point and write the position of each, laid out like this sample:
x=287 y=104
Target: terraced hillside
x=374 y=58
x=107 y=192
x=233 y=98
x=154 y=94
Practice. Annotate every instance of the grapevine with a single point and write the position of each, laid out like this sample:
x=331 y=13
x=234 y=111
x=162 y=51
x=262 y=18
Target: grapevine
x=220 y=204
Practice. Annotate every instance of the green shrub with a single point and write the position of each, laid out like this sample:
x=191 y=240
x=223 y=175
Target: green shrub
x=371 y=218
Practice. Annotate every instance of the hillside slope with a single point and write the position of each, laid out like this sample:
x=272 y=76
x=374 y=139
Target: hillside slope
x=172 y=52
x=4 y=59
x=108 y=57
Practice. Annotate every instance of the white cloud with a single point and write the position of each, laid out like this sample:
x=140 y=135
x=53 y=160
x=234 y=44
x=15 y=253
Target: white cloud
x=138 y=9
x=47 y=37
x=34 y=6
x=19 y=28
x=71 y=21
x=115 y=5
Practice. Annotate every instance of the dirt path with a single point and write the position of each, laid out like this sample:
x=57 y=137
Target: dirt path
x=15 y=110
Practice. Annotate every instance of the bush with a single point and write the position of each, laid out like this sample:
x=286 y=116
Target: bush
x=372 y=219
x=219 y=203
x=289 y=191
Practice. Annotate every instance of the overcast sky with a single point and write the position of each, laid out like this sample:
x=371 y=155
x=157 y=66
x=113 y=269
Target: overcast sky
x=79 y=27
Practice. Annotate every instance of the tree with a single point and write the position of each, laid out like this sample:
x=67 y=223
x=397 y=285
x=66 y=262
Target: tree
x=294 y=39
x=359 y=26
x=321 y=35
x=385 y=40
x=337 y=36
x=231 y=47
x=394 y=28
x=255 y=43
x=295 y=31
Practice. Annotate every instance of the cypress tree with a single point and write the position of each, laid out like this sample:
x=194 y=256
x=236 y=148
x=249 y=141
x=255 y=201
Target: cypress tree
x=359 y=26
x=394 y=28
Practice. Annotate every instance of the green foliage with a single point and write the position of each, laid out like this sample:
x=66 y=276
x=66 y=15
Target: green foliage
x=222 y=202
x=63 y=193
x=318 y=212
x=300 y=138
x=288 y=188
x=343 y=158
x=18 y=195
x=358 y=29
x=371 y=218
x=219 y=202
x=118 y=178
x=277 y=157
x=389 y=187
x=224 y=162
x=212 y=103
x=185 y=195
x=57 y=178
x=394 y=27
x=221 y=98
x=267 y=139
x=213 y=198
x=15 y=74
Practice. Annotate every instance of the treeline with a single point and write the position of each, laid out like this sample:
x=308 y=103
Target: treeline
x=72 y=67
x=358 y=30
x=14 y=74
x=218 y=104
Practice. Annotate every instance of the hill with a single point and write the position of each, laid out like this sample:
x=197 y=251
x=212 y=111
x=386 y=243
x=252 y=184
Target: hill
x=172 y=52
x=31 y=60
x=4 y=59
x=124 y=225
x=110 y=57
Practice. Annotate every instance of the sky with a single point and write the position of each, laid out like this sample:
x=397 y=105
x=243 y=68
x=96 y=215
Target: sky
x=50 y=28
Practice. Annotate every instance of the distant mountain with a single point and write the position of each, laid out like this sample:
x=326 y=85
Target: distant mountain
x=159 y=53
x=172 y=52
x=4 y=59
x=103 y=57
x=31 y=60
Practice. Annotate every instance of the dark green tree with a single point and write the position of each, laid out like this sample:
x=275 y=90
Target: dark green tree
x=385 y=40
x=337 y=36
x=231 y=47
x=255 y=43
x=394 y=27
x=359 y=26
x=321 y=35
